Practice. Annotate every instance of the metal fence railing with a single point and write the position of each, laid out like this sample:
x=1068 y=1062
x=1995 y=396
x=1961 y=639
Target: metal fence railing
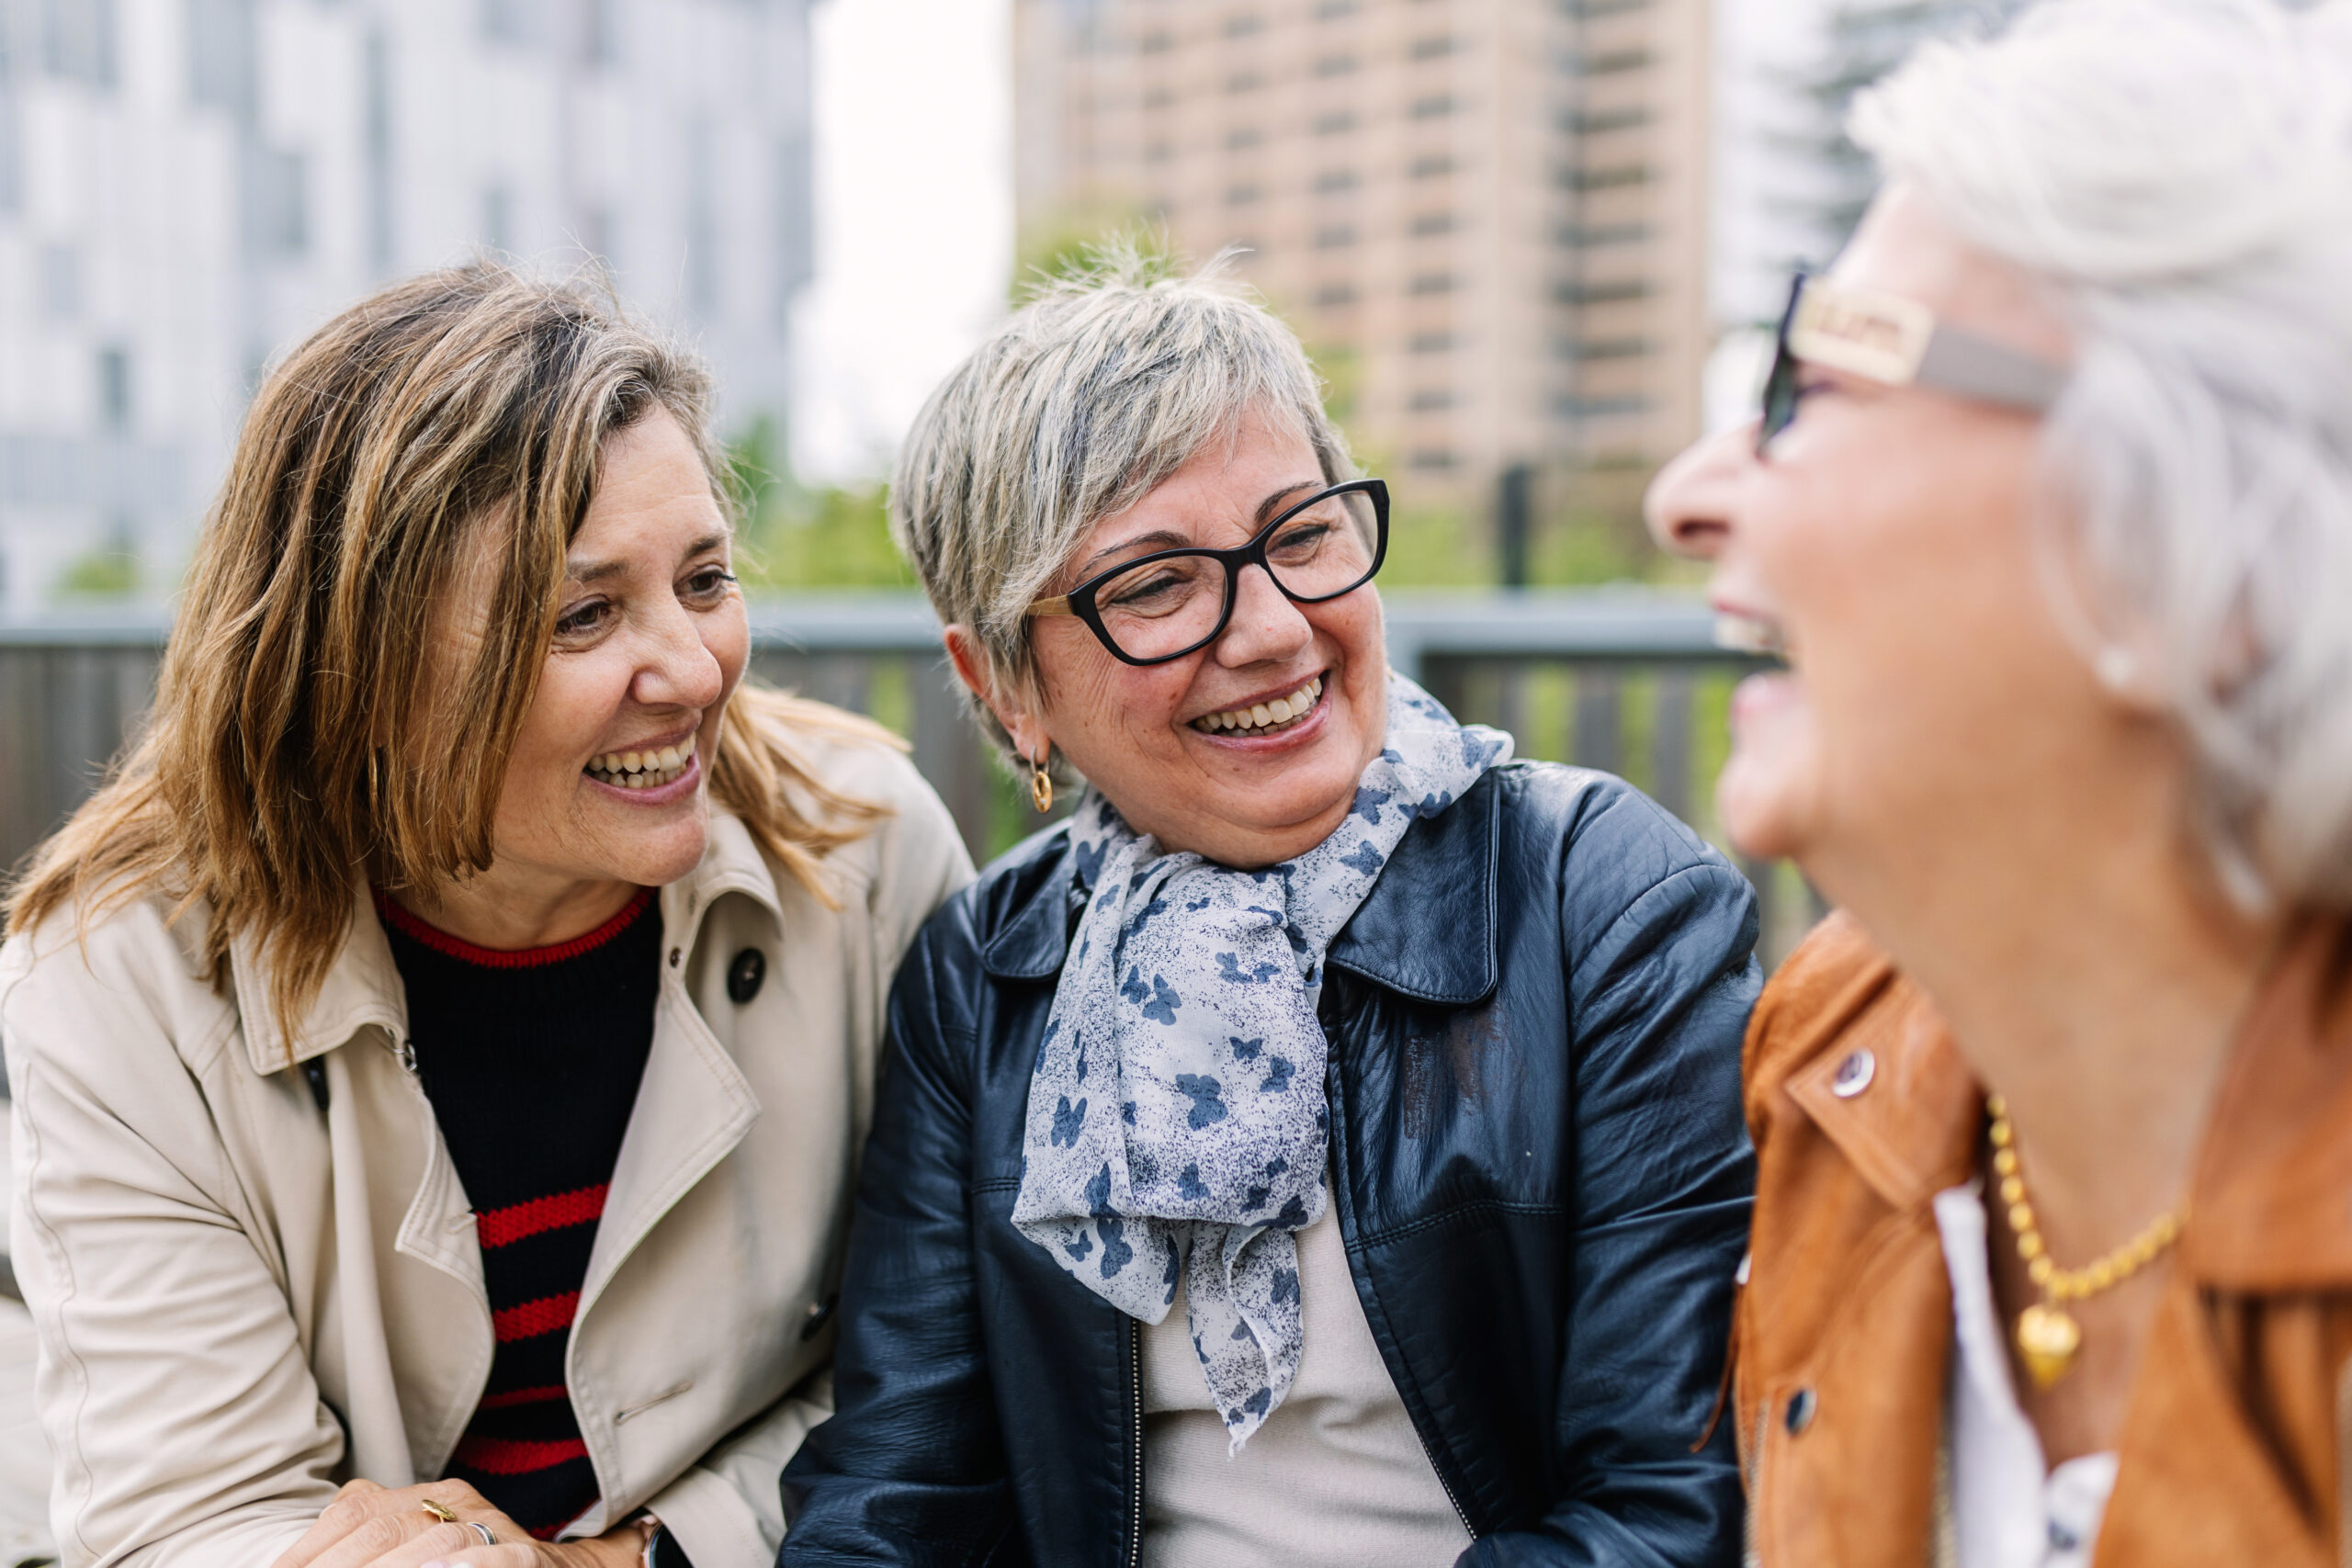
x=1623 y=680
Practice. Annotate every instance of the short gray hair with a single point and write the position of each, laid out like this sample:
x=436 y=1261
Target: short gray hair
x=2179 y=174
x=1106 y=382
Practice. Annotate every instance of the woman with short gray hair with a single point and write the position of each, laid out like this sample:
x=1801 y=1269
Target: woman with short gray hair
x=1324 y=1149
x=2049 y=509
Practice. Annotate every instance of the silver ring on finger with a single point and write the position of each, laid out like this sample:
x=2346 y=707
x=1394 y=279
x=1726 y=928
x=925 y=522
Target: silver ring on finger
x=483 y=1530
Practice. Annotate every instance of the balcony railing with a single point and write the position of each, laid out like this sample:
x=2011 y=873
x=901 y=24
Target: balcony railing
x=1626 y=680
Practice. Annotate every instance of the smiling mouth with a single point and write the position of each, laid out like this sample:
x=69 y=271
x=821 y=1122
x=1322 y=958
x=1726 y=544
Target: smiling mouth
x=1264 y=718
x=642 y=770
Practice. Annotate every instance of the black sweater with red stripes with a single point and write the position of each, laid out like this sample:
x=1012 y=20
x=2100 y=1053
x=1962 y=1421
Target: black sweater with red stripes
x=532 y=1061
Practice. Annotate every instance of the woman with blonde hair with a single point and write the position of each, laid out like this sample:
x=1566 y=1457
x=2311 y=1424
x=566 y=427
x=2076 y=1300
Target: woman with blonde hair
x=440 y=1049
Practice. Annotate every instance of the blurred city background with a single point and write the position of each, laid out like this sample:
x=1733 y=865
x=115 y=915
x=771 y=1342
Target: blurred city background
x=1535 y=246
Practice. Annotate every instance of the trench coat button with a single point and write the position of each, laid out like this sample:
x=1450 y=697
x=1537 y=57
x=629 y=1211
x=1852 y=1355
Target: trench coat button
x=818 y=1312
x=1854 y=1074
x=743 y=975
x=1799 y=1415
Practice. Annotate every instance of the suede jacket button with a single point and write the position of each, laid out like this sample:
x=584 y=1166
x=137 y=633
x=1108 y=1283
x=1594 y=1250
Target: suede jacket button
x=1854 y=1074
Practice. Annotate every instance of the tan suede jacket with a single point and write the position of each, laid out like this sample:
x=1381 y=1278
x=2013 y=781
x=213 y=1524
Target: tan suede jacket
x=2234 y=1445
x=243 y=1301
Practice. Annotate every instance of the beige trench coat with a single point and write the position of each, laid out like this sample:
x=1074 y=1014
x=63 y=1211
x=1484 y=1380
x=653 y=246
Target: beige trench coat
x=243 y=1302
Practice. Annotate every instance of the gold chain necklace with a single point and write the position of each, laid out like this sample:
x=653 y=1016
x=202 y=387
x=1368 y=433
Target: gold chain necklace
x=2048 y=1335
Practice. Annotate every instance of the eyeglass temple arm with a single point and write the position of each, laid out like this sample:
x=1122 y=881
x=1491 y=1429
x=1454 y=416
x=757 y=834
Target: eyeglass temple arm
x=1058 y=606
x=1989 y=372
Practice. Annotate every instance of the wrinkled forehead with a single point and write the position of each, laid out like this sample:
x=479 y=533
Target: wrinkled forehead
x=1222 y=492
x=1905 y=250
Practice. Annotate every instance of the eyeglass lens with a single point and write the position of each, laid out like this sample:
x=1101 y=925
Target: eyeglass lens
x=1781 y=383
x=1171 y=606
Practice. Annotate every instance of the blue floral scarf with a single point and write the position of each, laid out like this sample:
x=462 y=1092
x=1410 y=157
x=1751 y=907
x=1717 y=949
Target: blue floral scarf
x=1177 y=1121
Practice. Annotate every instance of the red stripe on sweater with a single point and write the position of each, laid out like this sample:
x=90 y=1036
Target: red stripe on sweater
x=547 y=1394
x=546 y=1316
x=450 y=946
x=498 y=1456
x=584 y=1206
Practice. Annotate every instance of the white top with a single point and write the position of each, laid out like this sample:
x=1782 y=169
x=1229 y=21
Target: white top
x=2010 y=1509
x=1336 y=1478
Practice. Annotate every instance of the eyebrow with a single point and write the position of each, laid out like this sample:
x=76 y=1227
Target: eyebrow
x=595 y=571
x=1168 y=538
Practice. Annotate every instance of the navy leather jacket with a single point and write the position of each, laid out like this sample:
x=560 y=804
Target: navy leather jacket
x=1538 y=1160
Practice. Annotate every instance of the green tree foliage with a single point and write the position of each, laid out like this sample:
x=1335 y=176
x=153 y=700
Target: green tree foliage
x=799 y=536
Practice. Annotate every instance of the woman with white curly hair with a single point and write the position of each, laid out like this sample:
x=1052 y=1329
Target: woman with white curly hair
x=2049 y=511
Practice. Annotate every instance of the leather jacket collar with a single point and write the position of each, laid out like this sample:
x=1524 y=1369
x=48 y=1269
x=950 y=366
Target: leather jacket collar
x=1427 y=930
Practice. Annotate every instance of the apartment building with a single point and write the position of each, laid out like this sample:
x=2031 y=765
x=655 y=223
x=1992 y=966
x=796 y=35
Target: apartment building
x=1486 y=217
x=188 y=185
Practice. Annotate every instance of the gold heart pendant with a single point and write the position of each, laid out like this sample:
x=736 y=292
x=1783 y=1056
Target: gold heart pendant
x=2048 y=1339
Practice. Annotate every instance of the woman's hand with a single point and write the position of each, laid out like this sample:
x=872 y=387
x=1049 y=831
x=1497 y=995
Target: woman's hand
x=369 y=1526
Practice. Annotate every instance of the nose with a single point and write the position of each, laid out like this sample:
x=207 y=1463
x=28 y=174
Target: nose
x=1690 y=504
x=1265 y=625
x=676 y=667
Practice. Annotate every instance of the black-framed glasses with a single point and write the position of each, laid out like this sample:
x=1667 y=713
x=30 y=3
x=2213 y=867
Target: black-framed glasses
x=1171 y=603
x=1898 y=343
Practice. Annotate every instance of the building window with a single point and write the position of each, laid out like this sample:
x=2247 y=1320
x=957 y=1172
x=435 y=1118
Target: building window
x=1154 y=43
x=1431 y=107
x=599 y=33
x=1335 y=66
x=1329 y=10
x=1603 y=348
x=1335 y=122
x=1584 y=10
x=1429 y=400
x=1600 y=122
x=1590 y=236
x=1604 y=293
x=1433 y=224
x=1433 y=47
x=1607 y=65
x=1430 y=342
x=276 y=193
x=498 y=220
x=1571 y=407
x=1431 y=459
x=1431 y=283
x=1245 y=135
x=1244 y=82
x=1158 y=152
x=12 y=150
x=114 y=387
x=220 y=54
x=505 y=21
x=1158 y=98
x=1335 y=237
x=1241 y=196
x=58 y=281
x=77 y=40
x=1430 y=163
x=1331 y=180
x=1243 y=24
x=1614 y=176
x=1335 y=293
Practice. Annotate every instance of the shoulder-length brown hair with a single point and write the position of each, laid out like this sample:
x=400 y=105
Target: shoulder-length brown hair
x=293 y=748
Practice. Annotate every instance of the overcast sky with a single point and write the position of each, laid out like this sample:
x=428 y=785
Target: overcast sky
x=914 y=219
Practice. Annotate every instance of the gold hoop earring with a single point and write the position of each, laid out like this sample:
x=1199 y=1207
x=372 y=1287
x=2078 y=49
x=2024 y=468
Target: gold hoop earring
x=1041 y=786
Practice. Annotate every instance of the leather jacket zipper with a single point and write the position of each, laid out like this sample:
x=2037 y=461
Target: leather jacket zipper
x=1135 y=1387
x=1446 y=1486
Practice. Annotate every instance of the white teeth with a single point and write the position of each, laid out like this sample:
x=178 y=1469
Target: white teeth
x=648 y=769
x=1261 y=716
x=1749 y=634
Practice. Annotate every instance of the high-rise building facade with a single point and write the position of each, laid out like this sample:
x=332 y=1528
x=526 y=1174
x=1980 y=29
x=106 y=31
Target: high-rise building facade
x=188 y=186
x=1486 y=217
